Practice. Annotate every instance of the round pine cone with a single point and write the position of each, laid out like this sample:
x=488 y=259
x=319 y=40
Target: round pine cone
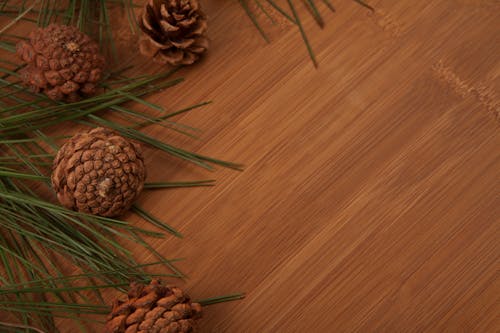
x=154 y=308
x=98 y=172
x=62 y=62
x=174 y=31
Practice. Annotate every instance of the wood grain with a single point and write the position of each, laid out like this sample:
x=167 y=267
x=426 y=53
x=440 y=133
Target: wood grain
x=369 y=201
x=370 y=197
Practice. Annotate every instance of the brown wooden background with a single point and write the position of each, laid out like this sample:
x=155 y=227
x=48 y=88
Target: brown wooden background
x=370 y=197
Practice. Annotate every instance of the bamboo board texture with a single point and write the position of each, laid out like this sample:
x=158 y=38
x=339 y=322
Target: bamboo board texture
x=369 y=200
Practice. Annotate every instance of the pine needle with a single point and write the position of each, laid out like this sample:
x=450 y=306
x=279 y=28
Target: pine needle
x=154 y=221
x=19 y=17
x=281 y=11
x=259 y=5
x=364 y=4
x=22 y=327
x=163 y=185
x=303 y=33
x=329 y=5
x=244 y=4
x=220 y=299
x=315 y=12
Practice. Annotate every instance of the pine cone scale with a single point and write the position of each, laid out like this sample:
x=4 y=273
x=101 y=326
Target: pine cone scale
x=168 y=28
x=199 y=29
x=183 y=43
x=132 y=329
x=171 y=56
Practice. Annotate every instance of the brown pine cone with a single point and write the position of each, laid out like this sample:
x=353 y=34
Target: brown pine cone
x=174 y=31
x=62 y=62
x=98 y=172
x=154 y=308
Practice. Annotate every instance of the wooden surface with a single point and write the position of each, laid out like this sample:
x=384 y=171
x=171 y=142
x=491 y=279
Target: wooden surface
x=369 y=201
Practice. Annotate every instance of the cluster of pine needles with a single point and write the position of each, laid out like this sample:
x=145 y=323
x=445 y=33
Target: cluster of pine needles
x=40 y=241
x=290 y=13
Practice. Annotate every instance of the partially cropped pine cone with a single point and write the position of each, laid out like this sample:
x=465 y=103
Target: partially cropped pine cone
x=62 y=62
x=154 y=308
x=174 y=31
x=98 y=172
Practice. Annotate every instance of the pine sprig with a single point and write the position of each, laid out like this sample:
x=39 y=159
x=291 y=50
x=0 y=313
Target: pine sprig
x=303 y=33
x=40 y=240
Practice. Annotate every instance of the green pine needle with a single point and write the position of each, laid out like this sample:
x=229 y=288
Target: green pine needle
x=315 y=12
x=163 y=185
x=261 y=7
x=220 y=299
x=364 y=4
x=303 y=33
x=21 y=327
x=244 y=4
x=154 y=221
x=329 y=5
x=281 y=11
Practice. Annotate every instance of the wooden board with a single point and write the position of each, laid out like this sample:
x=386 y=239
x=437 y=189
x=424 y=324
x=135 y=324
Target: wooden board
x=369 y=200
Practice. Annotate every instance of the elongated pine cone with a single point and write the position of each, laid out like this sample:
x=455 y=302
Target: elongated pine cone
x=62 y=62
x=98 y=172
x=154 y=308
x=174 y=31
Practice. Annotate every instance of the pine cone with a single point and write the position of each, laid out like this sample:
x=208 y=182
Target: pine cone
x=98 y=172
x=154 y=309
x=174 y=31
x=62 y=62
